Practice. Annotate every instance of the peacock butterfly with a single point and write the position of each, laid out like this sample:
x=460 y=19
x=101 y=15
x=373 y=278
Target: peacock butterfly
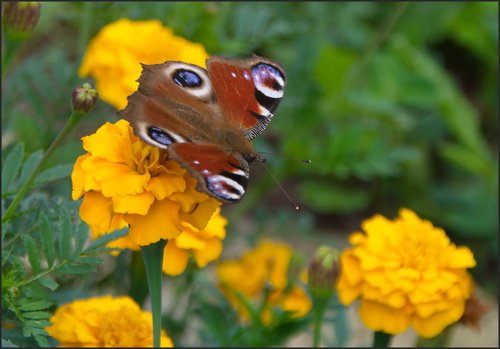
x=206 y=119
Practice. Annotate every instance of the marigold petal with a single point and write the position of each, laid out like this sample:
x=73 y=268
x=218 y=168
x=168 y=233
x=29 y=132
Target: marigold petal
x=78 y=177
x=209 y=253
x=175 y=259
x=462 y=257
x=433 y=325
x=297 y=301
x=164 y=186
x=96 y=210
x=189 y=240
x=161 y=222
x=200 y=217
x=379 y=317
x=139 y=203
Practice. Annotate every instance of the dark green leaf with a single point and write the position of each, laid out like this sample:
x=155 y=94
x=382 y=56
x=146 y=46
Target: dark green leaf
x=42 y=340
x=47 y=239
x=105 y=239
x=76 y=269
x=65 y=248
x=38 y=323
x=81 y=236
x=8 y=344
x=54 y=173
x=30 y=164
x=37 y=305
x=11 y=166
x=48 y=282
x=33 y=253
x=37 y=315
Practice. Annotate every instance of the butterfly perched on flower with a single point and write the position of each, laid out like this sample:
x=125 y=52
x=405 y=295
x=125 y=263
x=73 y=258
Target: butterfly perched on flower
x=206 y=119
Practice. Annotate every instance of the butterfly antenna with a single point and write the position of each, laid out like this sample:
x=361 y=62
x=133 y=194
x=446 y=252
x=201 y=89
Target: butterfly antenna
x=281 y=187
x=305 y=161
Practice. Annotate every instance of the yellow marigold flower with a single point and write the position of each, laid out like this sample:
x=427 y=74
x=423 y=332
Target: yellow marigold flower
x=104 y=322
x=126 y=182
x=406 y=273
x=114 y=55
x=262 y=269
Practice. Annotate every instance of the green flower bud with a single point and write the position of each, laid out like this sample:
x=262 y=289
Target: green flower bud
x=323 y=272
x=84 y=98
x=20 y=18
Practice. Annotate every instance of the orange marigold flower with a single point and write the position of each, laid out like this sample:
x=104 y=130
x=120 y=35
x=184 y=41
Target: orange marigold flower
x=104 y=322
x=406 y=272
x=114 y=55
x=126 y=182
x=261 y=270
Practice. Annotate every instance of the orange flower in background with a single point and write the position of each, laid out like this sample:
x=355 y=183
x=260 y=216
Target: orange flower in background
x=261 y=270
x=114 y=55
x=406 y=272
x=126 y=182
x=104 y=322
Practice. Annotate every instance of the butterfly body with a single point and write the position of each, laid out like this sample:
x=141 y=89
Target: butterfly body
x=205 y=119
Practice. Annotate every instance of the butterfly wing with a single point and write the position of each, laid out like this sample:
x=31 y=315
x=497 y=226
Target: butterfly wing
x=220 y=173
x=248 y=91
x=173 y=104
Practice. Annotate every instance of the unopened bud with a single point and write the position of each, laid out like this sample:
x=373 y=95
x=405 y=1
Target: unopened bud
x=84 y=98
x=323 y=271
x=21 y=17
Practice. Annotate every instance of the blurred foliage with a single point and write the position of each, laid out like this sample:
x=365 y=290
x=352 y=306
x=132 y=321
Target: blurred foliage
x=396 y=104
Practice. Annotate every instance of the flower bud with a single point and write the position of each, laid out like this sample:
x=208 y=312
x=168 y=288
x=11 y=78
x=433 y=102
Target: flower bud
x=323 y=272
x=83 y=98
x=21 y=17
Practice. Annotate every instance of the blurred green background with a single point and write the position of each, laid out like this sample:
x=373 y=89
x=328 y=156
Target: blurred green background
x=395 y=104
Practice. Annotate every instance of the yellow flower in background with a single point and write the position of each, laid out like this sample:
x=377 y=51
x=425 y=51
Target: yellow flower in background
x=114 y=55
x=104 y=322
x=261 y=270
x=406 y=272
x=126 y=182
x=205 y=245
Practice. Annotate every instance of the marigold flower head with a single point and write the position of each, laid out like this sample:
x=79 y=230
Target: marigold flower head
x=104 y=322
x=114 y=55
x=261 y=271
x=406 y=272
x=126 y=182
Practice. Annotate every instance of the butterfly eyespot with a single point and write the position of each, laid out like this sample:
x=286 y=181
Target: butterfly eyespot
x=159 y=136
x=269 y=80
x=187 y=78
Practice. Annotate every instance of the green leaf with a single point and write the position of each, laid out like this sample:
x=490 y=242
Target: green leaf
x=81 y=236
x=29 y=165
x=48 y=282
x=37 y=305
x=88 y=260
x=333 y=67
x=76 y=269
x=42 y=340
x=54 y=173
x=38 y=323
x=65 y=250
x=47 y=239
x=33 y=253
x=105 y=239
x=37 y=315
x=11 y=166
x=8 y=344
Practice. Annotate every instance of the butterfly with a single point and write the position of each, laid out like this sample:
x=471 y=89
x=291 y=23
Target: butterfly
x=206 y=119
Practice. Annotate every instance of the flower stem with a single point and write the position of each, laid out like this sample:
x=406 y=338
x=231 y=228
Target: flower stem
x=73 y=120
x=153 y=259
x=318 y=314
x=381 y=339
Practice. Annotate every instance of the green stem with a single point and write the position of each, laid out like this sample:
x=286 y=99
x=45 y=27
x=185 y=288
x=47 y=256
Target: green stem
x=318 y=314
x=153 y=260
x=381 y=339
x=73 y=120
